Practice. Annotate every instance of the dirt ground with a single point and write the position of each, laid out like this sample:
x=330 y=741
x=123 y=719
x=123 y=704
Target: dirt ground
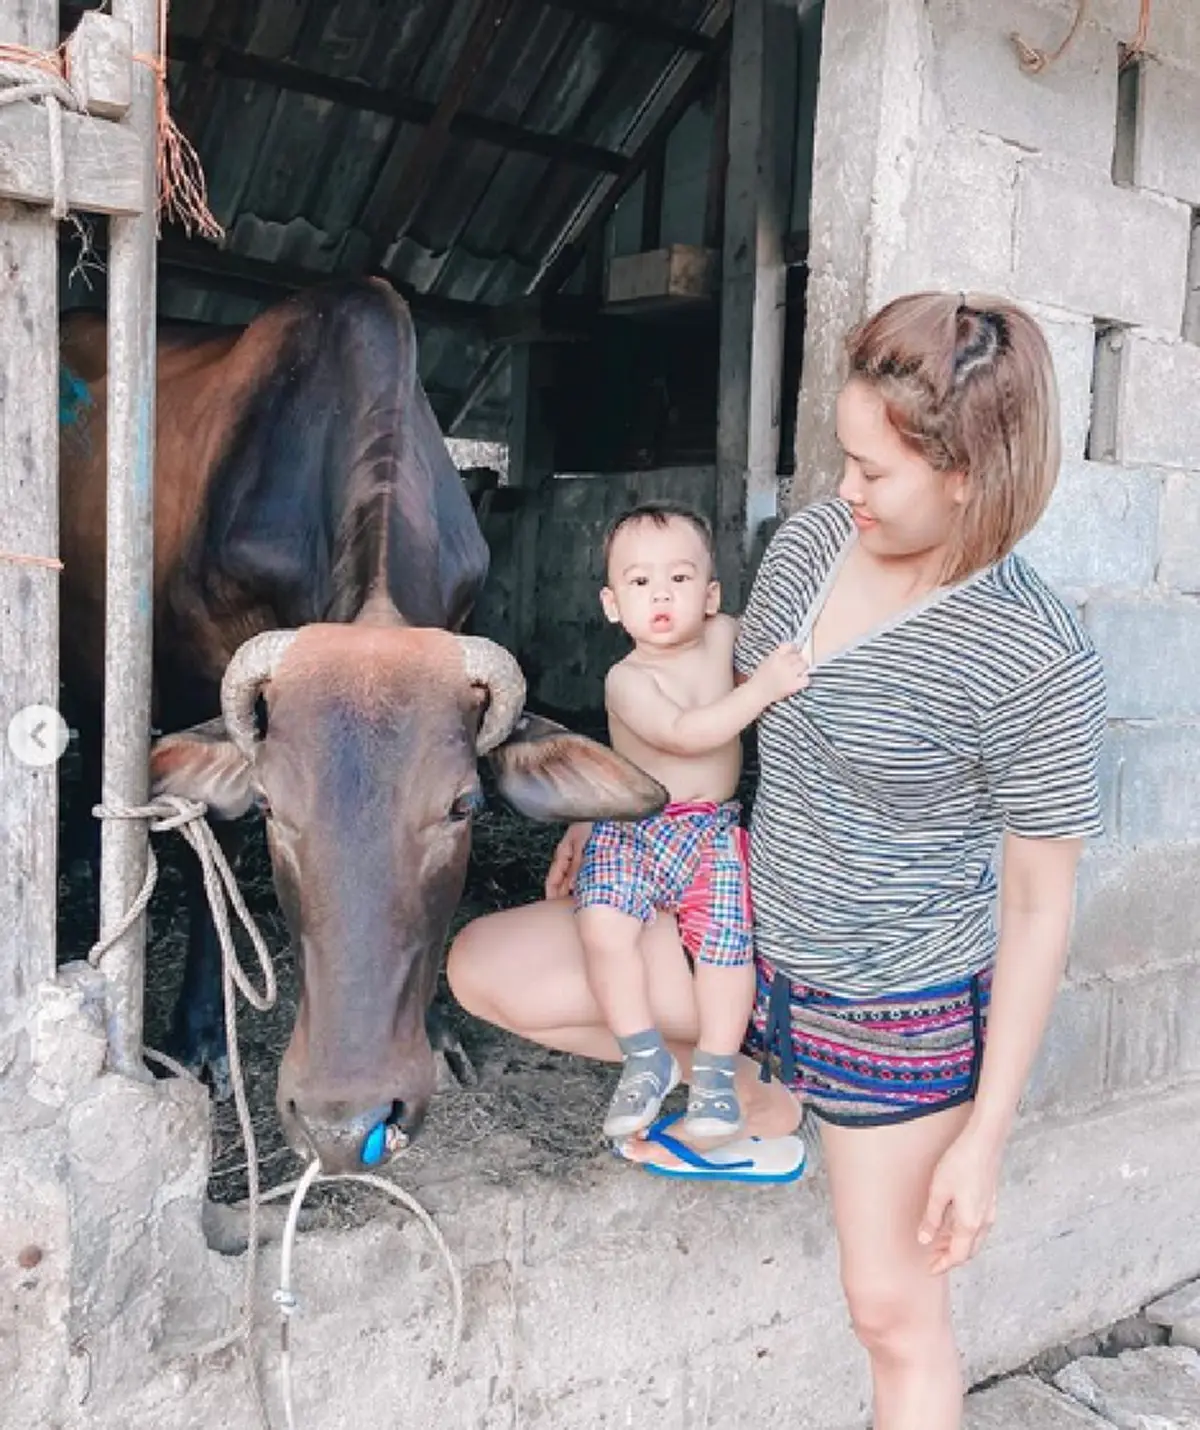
x=532 y=1111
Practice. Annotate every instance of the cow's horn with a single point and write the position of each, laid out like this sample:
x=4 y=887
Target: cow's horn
x=490 y=665
x=252 y=666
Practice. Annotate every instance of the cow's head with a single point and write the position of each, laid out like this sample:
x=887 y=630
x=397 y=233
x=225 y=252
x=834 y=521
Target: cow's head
x=360 y=743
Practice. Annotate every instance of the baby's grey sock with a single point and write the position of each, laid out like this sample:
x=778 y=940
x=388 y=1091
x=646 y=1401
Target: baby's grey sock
x=713 y=1106
x=647 y=1051
x=713 y=1071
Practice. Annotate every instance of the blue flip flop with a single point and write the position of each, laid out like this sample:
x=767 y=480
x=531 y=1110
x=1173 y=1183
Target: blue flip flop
x=767 y=1160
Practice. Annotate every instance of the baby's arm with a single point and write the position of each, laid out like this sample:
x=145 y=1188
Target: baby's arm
x=634 y=697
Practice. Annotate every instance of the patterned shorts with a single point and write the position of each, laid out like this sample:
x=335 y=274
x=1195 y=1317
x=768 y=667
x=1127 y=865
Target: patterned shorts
x=690 y=860
x=867 y=1062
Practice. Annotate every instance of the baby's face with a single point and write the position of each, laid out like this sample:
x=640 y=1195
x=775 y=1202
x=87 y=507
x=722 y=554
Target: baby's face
x=660 y=582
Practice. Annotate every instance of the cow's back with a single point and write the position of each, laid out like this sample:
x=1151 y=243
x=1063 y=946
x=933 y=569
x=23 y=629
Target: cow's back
x=299 y=470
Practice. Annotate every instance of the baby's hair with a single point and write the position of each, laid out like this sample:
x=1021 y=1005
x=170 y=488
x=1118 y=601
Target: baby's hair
x=970 y=386
x=661 y=513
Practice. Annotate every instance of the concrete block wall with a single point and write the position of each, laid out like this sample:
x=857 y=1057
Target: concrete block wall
x=966 y=173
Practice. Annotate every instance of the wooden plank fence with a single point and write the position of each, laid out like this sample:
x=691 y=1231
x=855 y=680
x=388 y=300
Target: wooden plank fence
x=54 y=156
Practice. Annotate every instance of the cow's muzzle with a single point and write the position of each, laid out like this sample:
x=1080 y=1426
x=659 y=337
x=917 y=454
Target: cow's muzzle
x=363 y=1142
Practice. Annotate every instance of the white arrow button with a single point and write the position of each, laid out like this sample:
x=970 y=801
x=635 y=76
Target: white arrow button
x=38 y=735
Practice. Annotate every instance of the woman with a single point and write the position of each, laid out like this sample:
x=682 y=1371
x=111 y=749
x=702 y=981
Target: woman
x=954 y=712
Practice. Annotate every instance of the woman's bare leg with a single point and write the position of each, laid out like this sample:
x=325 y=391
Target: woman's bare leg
x=524 y=970
x=879 y=1178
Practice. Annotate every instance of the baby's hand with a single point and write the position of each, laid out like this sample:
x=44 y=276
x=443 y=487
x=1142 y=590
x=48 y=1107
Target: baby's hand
x=783 y=673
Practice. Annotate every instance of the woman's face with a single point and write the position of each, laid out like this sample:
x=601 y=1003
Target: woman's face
x=902 y=506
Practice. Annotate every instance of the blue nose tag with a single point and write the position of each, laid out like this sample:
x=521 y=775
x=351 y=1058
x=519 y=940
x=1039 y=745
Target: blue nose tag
x=374 y=1145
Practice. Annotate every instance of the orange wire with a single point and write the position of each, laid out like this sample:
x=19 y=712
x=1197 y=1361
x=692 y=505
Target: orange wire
x=182 y=190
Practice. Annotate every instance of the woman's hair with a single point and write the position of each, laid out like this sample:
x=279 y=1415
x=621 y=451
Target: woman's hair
x=970 y=386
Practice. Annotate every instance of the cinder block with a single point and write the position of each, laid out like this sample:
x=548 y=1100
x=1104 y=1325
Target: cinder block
x=1069 y=110
x=1072 y=347
x=1143 y=1040
x=1158 y=418
x=1070 y=1068
x=947 y=243
x=1167 y=157
x=1100 y=529
x=1151 y=655
x=1156 y=784
x=1083 y=243
x=1179 y=542
x=1134 y=907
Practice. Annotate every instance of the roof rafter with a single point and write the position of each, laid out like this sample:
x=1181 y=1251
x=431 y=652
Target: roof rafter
x=218 y=58
x=646 y=27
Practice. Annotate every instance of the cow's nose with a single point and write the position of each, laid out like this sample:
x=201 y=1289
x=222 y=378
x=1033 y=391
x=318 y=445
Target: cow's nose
x=357 y=1143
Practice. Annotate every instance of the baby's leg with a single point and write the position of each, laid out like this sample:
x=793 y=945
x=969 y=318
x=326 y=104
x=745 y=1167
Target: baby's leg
x=616 y=969
x=724 y=999
x=617 y=976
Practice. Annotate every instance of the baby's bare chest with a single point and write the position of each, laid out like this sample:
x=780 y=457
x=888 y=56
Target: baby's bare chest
x=696 y=681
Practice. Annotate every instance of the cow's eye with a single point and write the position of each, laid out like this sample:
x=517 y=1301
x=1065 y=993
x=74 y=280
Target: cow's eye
x=468 y=804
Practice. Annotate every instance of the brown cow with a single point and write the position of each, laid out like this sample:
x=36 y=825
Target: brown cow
x=315 y=558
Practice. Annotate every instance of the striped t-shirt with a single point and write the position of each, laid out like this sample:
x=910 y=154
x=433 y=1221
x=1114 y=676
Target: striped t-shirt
x=886 y=784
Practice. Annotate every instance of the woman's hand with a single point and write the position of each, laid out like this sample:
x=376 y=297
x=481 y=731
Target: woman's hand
x=962 y=1200
x=560 y=877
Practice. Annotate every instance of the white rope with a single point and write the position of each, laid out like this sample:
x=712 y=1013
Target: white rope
x=31 y=82
x=171 y=812
x=285 y=1298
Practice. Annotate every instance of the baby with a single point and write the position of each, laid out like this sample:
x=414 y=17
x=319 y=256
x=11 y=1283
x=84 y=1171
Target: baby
x=673 y=709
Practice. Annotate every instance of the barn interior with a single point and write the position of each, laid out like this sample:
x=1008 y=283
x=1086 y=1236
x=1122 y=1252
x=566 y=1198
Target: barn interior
x=585 y=218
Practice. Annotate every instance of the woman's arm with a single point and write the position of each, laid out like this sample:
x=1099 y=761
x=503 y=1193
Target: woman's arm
x=1036 y=900
x=1037 y=894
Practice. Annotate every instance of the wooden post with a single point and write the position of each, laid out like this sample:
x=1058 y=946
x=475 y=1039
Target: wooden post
x=530 y=466
x=28 y=591
x=129 y=608
x=762 y=78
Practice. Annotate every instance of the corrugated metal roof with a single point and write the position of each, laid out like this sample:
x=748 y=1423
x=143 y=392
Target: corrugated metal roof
x=300 y=179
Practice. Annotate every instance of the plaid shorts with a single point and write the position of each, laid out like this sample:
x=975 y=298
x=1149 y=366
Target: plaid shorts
x=690 y=860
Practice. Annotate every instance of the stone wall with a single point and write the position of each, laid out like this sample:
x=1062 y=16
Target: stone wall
x=960 y=171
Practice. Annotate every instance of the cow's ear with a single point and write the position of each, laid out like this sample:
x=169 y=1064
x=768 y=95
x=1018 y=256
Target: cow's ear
x=548 y=772
x=203 y=765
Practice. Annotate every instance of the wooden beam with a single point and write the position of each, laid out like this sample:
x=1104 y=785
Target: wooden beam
x=718 y=162
x=233 y=272
x=28 y=578
x=636 y=22
x=762 y=79
x=218 y=59
x=101 y=161
x=129 y=574
x=405 y=182
x=100 y=63
x=544 y=317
